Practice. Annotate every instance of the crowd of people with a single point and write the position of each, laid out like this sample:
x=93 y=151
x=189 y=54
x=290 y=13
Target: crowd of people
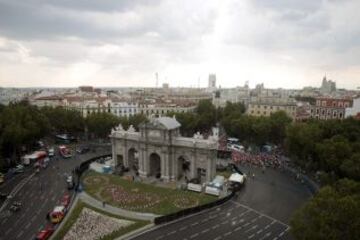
x=256 y=159
x=91 y=225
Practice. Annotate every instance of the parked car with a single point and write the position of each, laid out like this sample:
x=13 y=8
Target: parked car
x=45 y=233
x=15 y=206
x=57 y=215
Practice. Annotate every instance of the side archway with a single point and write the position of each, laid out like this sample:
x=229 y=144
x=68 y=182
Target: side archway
x=155 y=165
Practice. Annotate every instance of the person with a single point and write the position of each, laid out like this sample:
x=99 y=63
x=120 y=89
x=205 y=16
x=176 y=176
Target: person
x=103 y=204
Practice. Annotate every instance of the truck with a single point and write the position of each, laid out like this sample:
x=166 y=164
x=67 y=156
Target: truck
x=64 y=151
x=236 y=181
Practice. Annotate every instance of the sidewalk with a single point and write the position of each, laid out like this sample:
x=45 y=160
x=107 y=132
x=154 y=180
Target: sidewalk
x=114 y=210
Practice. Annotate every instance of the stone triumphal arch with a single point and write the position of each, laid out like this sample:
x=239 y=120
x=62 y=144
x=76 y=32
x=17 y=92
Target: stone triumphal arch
x=158 y=150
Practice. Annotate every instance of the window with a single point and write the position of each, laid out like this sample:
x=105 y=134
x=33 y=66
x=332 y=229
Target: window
x=323 y=103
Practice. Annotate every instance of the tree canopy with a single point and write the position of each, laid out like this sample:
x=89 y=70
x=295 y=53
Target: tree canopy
x=333 y=213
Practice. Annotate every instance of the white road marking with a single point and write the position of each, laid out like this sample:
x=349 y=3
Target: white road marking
x=215 y=226
x=20 y=233
x=217 y=238
x=252 y=228
x=260 y=213
x=28 y=225
x=195 y=223
x=206 y=230
x=7 y=231
x=194 y=235
x=265 y=236
x=171 y=233
x=227 y=234
x=251 y=236
x=260 y=231
x=182 y=228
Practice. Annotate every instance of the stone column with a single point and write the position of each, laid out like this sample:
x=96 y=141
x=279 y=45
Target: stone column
x=113 y=151
x=142 y=162
x=125 y=154
x=193 y=164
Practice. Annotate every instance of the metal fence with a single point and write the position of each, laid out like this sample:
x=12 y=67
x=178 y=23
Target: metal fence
x=189 y=211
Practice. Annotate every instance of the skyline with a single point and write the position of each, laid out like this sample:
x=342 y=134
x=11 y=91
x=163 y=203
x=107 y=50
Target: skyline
x=287 y=44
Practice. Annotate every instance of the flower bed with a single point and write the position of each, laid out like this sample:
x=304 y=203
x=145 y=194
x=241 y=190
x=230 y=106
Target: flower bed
x=131 y=200
x=92 y=225
x=141 y=197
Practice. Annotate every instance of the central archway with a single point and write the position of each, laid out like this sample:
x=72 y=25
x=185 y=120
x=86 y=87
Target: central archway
x=155 y=165
x=183 y=168
x=133 y=159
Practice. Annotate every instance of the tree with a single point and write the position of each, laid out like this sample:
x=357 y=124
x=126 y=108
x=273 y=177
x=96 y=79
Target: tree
x=332 y=214
x=21 y=125
x=351 y=167
x=278 y=124
x=300 y=142
x=100 y=124
x=332 y=153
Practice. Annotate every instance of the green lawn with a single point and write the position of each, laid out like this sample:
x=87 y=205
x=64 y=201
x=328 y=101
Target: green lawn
x=140 y=197
x=76 y=212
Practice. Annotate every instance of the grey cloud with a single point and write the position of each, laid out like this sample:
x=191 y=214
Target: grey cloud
x=53 y=19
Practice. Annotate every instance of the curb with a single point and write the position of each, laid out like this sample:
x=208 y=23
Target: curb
x=86 y=198
x=155 y=227
x=74 y=202
x=136 y=232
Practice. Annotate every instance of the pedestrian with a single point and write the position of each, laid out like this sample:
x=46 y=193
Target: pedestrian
x=103 y=204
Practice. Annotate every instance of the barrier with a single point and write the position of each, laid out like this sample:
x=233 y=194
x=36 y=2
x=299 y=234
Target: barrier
x=188 y=211
x=79 y=170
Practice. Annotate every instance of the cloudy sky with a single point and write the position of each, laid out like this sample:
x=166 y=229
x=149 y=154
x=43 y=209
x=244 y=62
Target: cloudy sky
x=282 y=43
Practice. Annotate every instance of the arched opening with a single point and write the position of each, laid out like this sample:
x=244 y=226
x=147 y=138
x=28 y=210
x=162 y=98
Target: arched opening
x=155 y=165
x=183 y=168
x=119 y=160
x=133 y=159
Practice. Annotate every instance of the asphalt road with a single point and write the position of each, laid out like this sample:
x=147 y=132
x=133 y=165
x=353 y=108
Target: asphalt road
x=261 y=210
x=39 y=195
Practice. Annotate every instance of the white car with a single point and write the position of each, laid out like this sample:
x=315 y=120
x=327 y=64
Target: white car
x=51 y=152
x=236 y=147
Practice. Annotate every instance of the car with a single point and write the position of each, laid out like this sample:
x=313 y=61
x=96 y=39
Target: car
x=51 y=152
x=19 y=169
x=83 y=149
x=57 y=215
x=70 y=182
x=15 y=206
x=45 y=233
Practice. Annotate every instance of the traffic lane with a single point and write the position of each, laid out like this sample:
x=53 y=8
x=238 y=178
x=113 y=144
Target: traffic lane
x=36 y=203
x=26 y=223
x=236 y=221
x=273 y=193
